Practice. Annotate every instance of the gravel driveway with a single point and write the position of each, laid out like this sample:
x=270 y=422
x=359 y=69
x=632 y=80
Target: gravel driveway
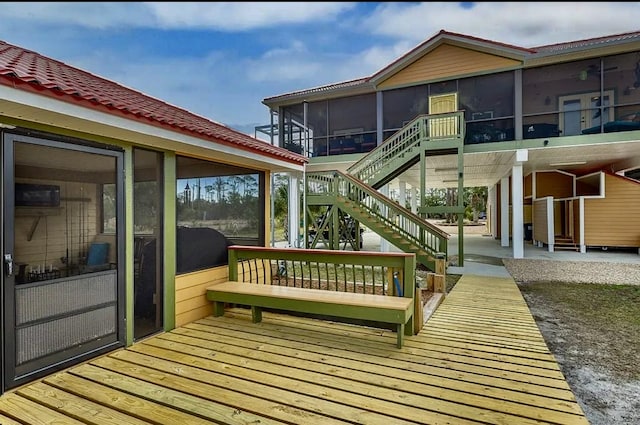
x=529 y=271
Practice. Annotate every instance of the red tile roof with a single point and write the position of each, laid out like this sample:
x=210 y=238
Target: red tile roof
x=30 y=71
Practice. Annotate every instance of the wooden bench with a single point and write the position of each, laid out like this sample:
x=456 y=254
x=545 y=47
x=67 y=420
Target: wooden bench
x=378 y=308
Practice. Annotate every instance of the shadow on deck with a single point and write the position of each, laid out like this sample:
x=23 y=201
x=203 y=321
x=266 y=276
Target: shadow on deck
x=479 y=359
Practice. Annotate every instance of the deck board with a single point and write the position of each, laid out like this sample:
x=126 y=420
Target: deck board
x=479 y=359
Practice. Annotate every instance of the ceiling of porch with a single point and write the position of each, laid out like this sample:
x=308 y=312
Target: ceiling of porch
x=487 y=168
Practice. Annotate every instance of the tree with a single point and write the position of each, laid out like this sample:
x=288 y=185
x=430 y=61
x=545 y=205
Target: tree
x=476 y=199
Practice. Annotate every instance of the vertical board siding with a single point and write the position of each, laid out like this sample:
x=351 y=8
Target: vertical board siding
x=191 y=293
x=528 y=185
x=443 y=62
x=576 y=220
x=540 y=227
x=608 y=221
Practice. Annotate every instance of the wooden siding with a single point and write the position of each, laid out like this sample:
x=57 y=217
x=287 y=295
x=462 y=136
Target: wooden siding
x=575 y=205
x=540 y=227
x=527 y=213
x=552 y=183
x=558 y=215
x=480 y=359
x=614 y=220
x=191 y=293
x=70 y=228
x=446 y=61
x=528 y=186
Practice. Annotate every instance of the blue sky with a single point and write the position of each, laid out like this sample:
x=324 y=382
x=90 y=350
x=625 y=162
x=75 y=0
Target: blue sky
x=220 y=60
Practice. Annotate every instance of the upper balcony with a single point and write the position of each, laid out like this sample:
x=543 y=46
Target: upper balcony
x=585 y=97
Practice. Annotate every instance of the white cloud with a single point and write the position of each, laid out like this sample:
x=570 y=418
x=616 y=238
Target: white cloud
x=239 y=16
x=294 y=46
x=224 y=16
x=525 y=24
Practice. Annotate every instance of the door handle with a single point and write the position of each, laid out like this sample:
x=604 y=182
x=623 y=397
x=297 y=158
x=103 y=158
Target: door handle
x=8 y=265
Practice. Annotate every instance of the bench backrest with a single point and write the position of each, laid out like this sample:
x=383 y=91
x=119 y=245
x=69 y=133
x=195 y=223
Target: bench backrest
x=347 y=271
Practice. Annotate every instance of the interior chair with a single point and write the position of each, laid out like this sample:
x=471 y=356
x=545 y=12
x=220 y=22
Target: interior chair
x=97 y=258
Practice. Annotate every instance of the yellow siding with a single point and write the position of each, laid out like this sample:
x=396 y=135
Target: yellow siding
x=191 y=293
x=552 y=183
x=540 y=227
x=255 y=271
x=446 y=61
x=614 y=220
x=576 y=220
x=528 y=185
x=558 y=228
x=527 y=214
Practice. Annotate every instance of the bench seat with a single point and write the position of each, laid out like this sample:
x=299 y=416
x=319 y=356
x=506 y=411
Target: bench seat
x=379 y=308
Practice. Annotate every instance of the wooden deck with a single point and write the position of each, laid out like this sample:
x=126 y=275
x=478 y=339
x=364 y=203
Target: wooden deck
x=479 y=359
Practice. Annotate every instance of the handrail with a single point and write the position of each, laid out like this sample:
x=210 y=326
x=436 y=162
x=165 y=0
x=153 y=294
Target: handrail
x=432 y=127
x=403 y=222
x=346 y=271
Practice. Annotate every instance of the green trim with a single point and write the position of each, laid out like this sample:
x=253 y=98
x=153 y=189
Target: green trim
x=233 y=264
x=441 y=209
x=409 y=292
x=373 y=313
x=460 y=205
x=59 y=131
x=169 y=242
x=129 y=243
x=554 y=142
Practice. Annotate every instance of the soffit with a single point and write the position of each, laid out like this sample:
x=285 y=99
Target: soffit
x=118 y=131
x=487 y=168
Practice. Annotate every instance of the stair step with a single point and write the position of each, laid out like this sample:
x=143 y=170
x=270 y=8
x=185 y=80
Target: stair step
x=566 y=247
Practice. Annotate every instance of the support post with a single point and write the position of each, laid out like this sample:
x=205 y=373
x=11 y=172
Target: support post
x=504 y=211
x=517 y=197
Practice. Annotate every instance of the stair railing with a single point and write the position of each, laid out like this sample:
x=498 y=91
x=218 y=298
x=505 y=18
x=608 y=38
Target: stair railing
x=372 y=208
x=402 y=144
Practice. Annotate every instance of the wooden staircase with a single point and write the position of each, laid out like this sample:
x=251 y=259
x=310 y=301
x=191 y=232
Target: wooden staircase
x=404 y=229
x=565 y=243
x=355 y=191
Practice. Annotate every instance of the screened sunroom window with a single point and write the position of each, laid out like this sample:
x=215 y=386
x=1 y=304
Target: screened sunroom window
x=217 y=205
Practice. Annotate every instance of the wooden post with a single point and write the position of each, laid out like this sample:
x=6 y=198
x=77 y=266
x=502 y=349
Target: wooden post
x=233 y=264
x=418 y=317
x=439 y=284
x=440 y=266
x=440 y=281
x=430 y=277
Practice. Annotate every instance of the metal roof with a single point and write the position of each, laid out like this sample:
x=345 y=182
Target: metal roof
x=23 y=69
x=559 y=48
x=588 y=43
x=331 y=87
